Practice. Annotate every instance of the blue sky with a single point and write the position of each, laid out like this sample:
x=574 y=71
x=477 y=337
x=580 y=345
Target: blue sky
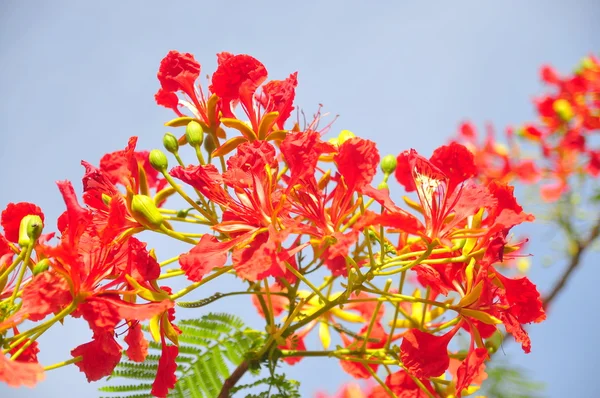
x=78 y=78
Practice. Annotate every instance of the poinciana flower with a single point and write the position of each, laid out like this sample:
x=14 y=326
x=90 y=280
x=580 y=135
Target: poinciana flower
x=236 y=81
x=253 y=216
x=109 y=189
x=87 y=276
x=325 y=211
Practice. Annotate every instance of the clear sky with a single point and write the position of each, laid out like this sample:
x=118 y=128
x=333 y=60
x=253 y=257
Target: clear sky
x=78 y=78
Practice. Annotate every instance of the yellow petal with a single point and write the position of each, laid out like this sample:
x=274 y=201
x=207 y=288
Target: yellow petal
x=324 y=334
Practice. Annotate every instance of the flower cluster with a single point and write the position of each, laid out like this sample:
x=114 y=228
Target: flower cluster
x=273 y=205
x=562 y=137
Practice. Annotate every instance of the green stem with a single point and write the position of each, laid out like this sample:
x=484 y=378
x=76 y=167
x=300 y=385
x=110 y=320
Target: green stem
x=64 y=363
x=196 y=285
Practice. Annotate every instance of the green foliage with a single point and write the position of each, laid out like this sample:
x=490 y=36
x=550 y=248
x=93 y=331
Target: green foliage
x=209 y=349
x=278 y=386
x=508 y=381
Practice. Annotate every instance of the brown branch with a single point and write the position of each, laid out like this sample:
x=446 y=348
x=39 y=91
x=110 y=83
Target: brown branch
x=233 y=379
x=582 y=246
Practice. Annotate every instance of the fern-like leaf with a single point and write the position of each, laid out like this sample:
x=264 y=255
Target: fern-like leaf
x=209 y=348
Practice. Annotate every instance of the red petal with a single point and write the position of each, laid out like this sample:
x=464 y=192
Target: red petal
x=29 y=354
x=237 y=77
x=165 y=375
x=278 y=95
x=205 y=179
x=121 y=167
x=295 y=343
x=18 y=374
x=278 y=303
x=138 y=345
x=467 y=130
x=524 y=299
x=100 y=356
x=166 y=98
x=13 y=214
x=253 y=157
x=357 y=161
x=513 y=326
x=424 y=354
x=76 y=217
x=404 y=386
x=46 y=293
x=140 y=265
x=301 y=152
x=404 y=171
x=208 y=254
x=104 y=312
x=457 y=163
x=178 y=71
x=357 y=369
x=254 y=262
x=471 y=368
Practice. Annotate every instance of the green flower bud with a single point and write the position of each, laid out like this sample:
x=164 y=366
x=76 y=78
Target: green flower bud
x=158 y=160
x=170 y=143
x=194 y=133
x=41 y=266
x=183 y=213
x=145 y=212
x=30 y=229
x=493 y=343
x=388 y=164
x=209 y=144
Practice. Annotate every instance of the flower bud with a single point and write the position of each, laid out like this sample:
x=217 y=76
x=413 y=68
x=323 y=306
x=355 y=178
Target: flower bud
x=493 y=343
x=388 y=164
x=194 y=133
x=183 y=213
x=158 y=160
x=30 y=229
x=563 y=109
x=145 y=211
x=170 y=143
x=41 y=266
x=209 y=144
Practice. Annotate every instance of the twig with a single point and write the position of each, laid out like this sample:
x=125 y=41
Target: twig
x=582 y=246
x=233 y=379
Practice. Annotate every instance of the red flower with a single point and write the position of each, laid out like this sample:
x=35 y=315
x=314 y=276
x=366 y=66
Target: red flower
x=441 y=194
